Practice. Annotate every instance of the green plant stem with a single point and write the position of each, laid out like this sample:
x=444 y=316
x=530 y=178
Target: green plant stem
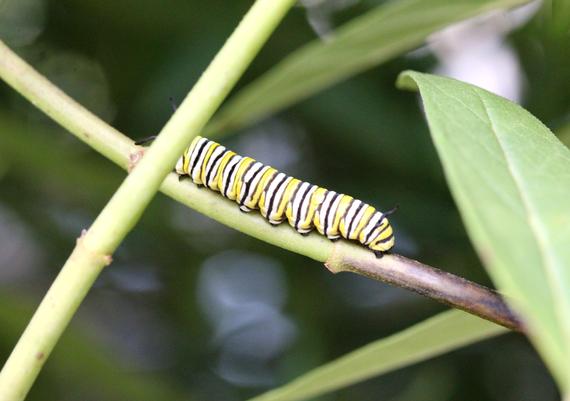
x=124 y=209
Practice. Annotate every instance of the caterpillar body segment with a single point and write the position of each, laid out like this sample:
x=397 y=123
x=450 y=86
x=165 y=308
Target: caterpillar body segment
x=278 y=197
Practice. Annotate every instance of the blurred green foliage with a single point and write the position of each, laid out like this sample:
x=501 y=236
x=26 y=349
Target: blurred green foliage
x=170 y=311
x=434 y=336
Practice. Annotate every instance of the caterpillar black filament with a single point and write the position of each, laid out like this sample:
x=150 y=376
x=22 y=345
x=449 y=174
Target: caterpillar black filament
x=278 y=197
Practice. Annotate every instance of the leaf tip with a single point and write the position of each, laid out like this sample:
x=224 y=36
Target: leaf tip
x=406 y=80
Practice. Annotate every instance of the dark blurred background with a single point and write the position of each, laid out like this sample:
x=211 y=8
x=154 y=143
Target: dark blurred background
x=193 y=310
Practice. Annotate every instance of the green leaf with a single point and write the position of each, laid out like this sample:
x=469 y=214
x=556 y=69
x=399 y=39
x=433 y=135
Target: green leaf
x=510 y=177
x=434 y=336
x=385 y=32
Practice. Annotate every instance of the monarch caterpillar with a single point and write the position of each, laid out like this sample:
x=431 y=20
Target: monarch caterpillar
x=280 y=197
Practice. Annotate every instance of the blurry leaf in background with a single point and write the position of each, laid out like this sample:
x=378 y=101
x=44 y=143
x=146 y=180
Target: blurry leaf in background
x=544 y=50
x=433 y=383
x=385 y=32
x=510 y=177
x=21 y=21
x=434 y=336
x=558 y=13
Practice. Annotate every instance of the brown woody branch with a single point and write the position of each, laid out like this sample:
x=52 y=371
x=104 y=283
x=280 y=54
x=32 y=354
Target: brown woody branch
x=431 y=282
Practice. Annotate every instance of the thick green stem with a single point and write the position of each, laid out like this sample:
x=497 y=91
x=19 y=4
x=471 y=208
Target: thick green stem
x=122 y=212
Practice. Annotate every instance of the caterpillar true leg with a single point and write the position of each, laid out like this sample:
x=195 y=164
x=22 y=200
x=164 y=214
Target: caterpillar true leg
x=379 y=254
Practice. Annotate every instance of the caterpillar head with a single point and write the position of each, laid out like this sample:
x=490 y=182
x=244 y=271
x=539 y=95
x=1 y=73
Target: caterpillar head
x=383 y=236
x=383 y=239
x=180 y=166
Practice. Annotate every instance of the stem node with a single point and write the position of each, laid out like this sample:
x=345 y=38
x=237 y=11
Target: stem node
x=99 y=258
x=134 y=158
